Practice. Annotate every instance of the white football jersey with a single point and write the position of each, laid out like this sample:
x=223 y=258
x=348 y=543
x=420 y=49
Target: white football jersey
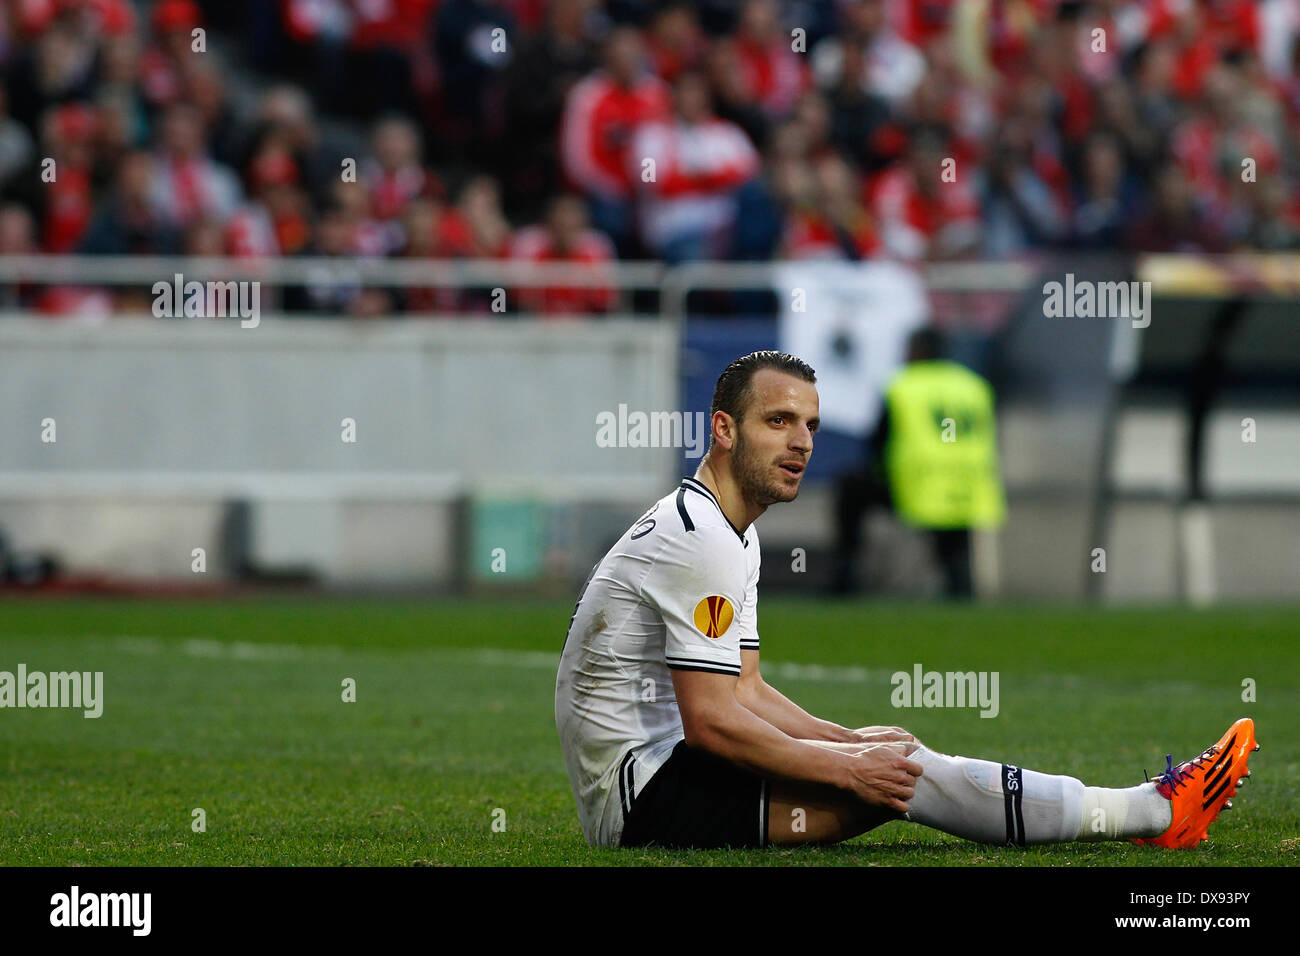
x=678 y=590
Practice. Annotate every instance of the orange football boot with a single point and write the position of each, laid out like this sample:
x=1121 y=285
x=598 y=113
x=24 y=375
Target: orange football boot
x=1200 y=788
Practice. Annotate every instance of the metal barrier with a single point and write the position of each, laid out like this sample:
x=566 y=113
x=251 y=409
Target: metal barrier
x=672 y=283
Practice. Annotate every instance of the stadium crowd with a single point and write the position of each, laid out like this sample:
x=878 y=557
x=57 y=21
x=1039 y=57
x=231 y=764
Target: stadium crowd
x=585 y=131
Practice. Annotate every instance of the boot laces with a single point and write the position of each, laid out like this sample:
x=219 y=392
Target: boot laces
x=1176 y=776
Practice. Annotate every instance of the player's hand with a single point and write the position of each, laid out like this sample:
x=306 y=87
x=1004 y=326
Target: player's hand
x=882 y=775
x=881 y=735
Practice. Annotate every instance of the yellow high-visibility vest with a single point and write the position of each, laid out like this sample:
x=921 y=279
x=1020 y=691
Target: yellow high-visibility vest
x=941 y=451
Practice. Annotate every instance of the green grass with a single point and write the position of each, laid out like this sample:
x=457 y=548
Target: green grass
x=235 y=707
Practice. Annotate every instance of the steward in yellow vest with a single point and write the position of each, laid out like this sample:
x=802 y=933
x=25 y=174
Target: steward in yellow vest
x=941 y=452
x=933 y=458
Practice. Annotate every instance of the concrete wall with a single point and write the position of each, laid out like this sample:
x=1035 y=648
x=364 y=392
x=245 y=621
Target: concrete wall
x=161 y=427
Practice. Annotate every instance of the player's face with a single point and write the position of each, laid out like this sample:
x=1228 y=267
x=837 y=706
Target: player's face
x=775 y=439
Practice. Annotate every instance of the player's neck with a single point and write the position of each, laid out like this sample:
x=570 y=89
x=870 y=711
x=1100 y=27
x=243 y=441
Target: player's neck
x=739 y=512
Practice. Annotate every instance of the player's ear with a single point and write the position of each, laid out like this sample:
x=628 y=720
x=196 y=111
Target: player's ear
x=724 y=429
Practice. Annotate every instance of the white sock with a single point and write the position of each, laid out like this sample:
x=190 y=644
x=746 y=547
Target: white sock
x=1124 y=814
x=1000 y=803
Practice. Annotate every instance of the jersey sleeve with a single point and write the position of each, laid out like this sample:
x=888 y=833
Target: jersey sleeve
x=698 y=584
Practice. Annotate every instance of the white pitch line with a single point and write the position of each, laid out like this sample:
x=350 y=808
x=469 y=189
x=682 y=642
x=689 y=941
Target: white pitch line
x=225 y=650
x=487 y=656
x=213 y=649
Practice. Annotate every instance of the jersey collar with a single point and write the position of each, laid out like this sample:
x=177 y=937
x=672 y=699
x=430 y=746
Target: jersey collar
x=694 y=484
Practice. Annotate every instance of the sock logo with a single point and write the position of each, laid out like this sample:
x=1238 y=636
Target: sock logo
x=1012 y=791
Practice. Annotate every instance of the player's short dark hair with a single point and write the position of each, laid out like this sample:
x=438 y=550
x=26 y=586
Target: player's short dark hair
x=731 y=394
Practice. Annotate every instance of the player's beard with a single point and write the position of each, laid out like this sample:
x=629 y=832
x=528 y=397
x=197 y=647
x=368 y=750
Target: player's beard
x=755 y=478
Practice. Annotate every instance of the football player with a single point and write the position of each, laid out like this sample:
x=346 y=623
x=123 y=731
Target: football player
x=672 y=737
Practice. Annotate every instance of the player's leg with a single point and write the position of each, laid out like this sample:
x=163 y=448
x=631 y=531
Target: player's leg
x=977 y=799
x=1001 y=803
x=700 y=800
x=808 y=813
x=811 y=813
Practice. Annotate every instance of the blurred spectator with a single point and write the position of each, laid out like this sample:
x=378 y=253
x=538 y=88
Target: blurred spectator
x=489 y=230
x=383 y=44
x=17 y=231
x=128 y=222
x=732 y=99
x=1153 y=88
x=675 y=40
x=337 y=289
x=69 y=134
x=203 y=237
x=1020 y=209
x=284 y=115
x=488 y=235
x=206 y=91
x=600 y=118
x=869 y=53
x=1274 y=216
x=829 y=220
x=687 y=201
x=1173 y=221
x=55 y=65
x=564 y=237
x=164 y=64
x=17 y=238
x=17 y=150
x=1140 y=139
x=276 y=221
x=188 y=184
x=1104 y=196
x=473 y=43
x=316 y=35
x=772 y=75
x=369 y=237
x=1210 y=145
x=395 y=175
x=119 y=73
x=432 y=230
x=1289 y=95
x=919 y=214
x=860 y=119
x=548 y=65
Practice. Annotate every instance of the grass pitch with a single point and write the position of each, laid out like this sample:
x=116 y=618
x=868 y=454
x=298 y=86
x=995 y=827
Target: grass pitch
x=235 y=707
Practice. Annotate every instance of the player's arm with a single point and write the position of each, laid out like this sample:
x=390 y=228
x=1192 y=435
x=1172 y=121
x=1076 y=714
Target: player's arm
x=769 y=703
x=760 y=697
x=713 y=719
